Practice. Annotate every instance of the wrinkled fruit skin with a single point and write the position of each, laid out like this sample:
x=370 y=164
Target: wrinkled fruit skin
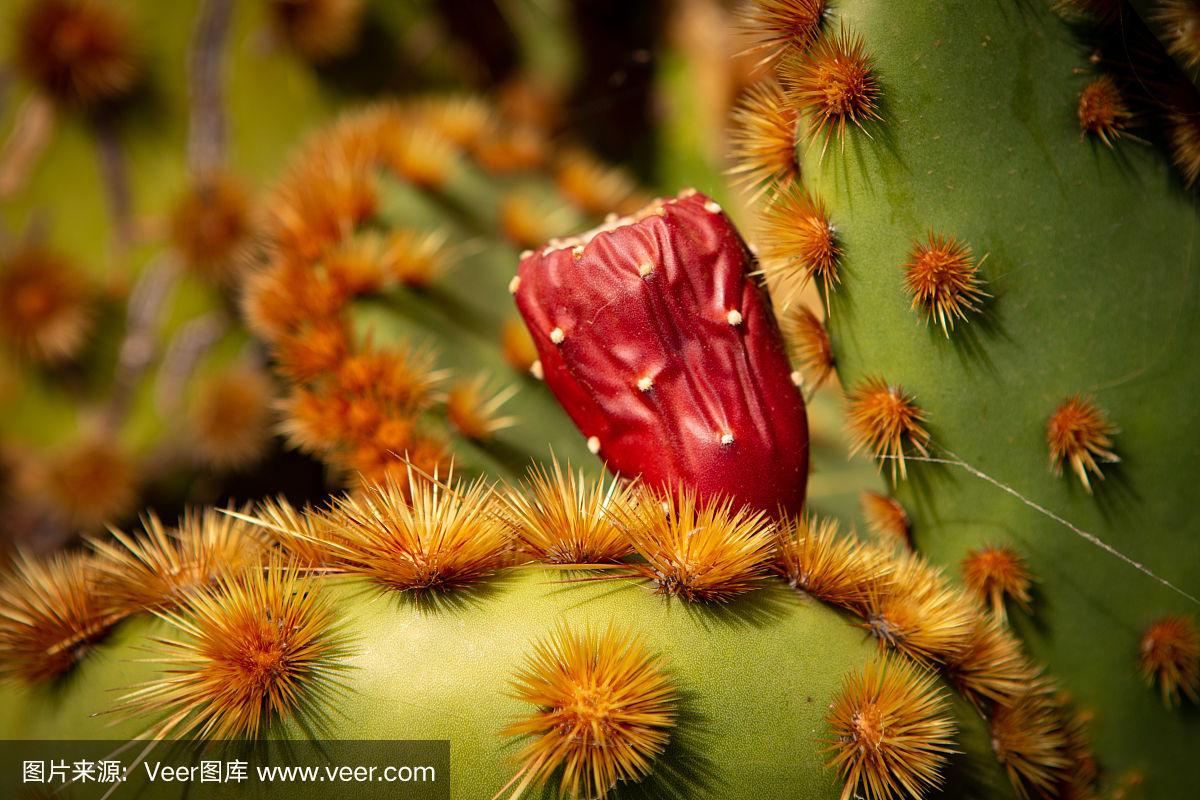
x=667 y=355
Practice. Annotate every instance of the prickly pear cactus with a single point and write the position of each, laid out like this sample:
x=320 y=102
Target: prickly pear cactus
x=692 y=633
x=1008 y=263
x=683 y=635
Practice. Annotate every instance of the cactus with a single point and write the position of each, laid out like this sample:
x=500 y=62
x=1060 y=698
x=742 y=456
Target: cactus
x=990 y=176
x=683 y=628
x=744 y=633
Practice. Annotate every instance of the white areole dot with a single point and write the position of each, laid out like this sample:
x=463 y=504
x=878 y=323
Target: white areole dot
x=726 y=438
x=712 y=207
x=645 y=268
x=557 y=336
x=593 y=445
x=797 y=378
x=734 y=317
x=514 y=284
x=535 y=369
x=645 y=383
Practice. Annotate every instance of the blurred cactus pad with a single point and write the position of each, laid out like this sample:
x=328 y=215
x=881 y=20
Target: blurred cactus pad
x=137 y=141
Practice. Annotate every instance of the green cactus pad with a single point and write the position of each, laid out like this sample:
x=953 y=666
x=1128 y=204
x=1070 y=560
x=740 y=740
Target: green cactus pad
x=1094 y=275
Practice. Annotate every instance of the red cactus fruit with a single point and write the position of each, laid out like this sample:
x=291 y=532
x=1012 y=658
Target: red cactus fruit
x=666 y=354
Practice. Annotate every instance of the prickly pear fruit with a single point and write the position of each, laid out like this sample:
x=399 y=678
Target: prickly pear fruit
x=659 y=343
